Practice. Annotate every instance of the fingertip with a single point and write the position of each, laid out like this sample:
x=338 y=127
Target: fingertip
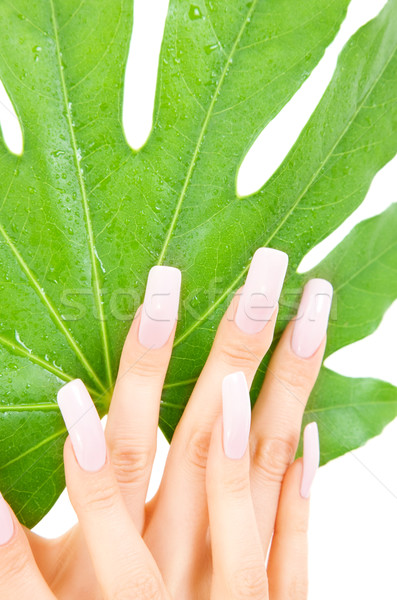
x=262 y=289
x=311 y=457
x=83 y=424
x=236 y=415
x=160 y=306
x=311 y=322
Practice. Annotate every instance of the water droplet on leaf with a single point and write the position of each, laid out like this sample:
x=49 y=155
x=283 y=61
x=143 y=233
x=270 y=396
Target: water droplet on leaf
x=210 y=48
x=195 y=12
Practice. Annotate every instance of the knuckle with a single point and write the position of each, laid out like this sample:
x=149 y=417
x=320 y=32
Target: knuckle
x=132 y=463
x=297 y=589
x=299 y=528
x=144 y=365
x=236 y=484
x=15 y=564
x=296 y=532
x=99 y=496
x=298 y=377
x=273 y=456
x=237 y=355
x=197 y=450
x=250 y=582
x=140 y=586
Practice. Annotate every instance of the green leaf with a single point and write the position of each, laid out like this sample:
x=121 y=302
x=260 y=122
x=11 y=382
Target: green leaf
x=348 y=411
x=83 y=217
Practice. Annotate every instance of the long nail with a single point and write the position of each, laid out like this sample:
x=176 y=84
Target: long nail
x=83 y=424
x=160 y=306
x=312 y=319
x=311 y=457
x=236 y=414
x=6 y=522
x=262 y=289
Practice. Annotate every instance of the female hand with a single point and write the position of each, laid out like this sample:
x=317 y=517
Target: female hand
x=176 y=526
x=123 y=566
x=175 y=523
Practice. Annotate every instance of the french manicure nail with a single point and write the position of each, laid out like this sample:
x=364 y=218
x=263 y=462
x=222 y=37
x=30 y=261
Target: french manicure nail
x=261 y=290
x=312 y=318
x=6 y=522
x=311 y=457
x=83 y=424
x=236 y=414
x=160 y=306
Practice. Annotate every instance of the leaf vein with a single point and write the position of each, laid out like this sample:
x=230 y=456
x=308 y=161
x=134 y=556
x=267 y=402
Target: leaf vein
x=202 y=133
x=91 y=242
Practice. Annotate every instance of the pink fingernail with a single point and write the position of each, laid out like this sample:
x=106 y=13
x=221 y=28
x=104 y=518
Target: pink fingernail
x=261 y=290
x=6 y=522
x=312 y=319
x=160 y=306
x=236 y=414
x=83 y=424
x=311 y=457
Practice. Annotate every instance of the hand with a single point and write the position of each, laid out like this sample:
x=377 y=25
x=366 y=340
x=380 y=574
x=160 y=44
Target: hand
x=123 y=565
x=183 y=553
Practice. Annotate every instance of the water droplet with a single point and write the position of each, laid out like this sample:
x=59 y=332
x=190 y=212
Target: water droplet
x=210 y=48
x=100 y=262
x=195 y=12
x=20 y=342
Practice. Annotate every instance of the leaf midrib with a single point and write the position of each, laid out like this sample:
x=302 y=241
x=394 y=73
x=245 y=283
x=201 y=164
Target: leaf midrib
x=202 y=133
x=91 y=241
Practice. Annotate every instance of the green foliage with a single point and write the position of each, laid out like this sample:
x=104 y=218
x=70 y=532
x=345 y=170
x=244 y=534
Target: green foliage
x=83 y=217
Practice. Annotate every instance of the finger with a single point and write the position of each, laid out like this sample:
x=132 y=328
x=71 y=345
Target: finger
x=238 y=558
x=122 y=563
x=287 y=567
x=243 y=337
x=134 y=411
x=19 y=575
x=277 y=415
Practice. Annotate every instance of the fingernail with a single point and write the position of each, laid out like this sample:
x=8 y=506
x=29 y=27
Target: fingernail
x=261 y=290
x=83 y=424
x=311 y=457
x=312 y=318
x=236 y=414
x=160 y=306
x=6 y=522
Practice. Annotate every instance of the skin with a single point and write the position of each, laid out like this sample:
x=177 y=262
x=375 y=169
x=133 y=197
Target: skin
x=206 y=533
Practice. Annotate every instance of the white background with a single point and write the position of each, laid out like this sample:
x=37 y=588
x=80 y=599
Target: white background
x=353 y=528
